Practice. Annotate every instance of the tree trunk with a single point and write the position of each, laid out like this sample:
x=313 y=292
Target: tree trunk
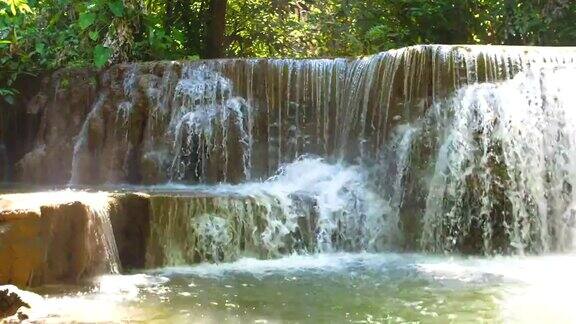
x=169 y=16
x=216 y=29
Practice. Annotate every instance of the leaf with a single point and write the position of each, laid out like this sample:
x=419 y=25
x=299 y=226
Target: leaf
x=18 y=5
x=101 y=56
x=24 y=7
x=117 y=8
x=7 y=92
x=54 y=20
x=94 y=35
x=86 y=19
x=40 y=48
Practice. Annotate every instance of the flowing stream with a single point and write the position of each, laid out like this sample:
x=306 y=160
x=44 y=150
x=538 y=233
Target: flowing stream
x=427 y=184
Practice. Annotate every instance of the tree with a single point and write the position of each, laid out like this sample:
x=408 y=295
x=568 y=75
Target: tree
x=43 y=35
x=216 y=29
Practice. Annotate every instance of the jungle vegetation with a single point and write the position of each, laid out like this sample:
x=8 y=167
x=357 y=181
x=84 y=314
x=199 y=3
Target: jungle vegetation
x=43 y=35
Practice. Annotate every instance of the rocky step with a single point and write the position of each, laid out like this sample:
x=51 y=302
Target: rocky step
x=71 y=236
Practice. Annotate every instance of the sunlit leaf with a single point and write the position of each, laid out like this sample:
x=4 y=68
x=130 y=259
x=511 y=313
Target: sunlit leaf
x=94 y=35
x=101 y=55
x=86 y=19
x=23 y=7
x=17 y=6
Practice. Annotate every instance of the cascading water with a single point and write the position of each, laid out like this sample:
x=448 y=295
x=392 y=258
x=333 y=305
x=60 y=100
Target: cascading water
x=309 y=206
x=424 y=147
x=102 y=232
x=504 y=167
x=204 y=125
x=204 y=122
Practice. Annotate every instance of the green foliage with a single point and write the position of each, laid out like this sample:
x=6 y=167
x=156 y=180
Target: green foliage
x=43 y=35
x=308 y=28
x=117 y=8
x=86 y=19
x=17 y=6
x=101 y=55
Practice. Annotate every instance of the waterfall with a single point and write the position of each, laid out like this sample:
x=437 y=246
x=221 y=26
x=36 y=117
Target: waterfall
x=505 y=165
x=102 y=232
x=205 y=121
x=391 y=171
x=204 y=125
x=436 y=148
x=90 y=230
x=308 y=206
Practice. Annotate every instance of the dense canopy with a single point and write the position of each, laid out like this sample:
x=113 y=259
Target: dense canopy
x=43 y=35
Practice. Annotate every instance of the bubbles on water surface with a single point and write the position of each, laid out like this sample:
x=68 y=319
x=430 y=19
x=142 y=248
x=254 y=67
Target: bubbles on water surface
x=333 y=287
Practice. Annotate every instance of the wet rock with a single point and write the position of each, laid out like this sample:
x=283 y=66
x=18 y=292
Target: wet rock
x=70 y=255
x=15 y=303
x=53 y=238
x=63 y=104
x=219 y=228
x=37 y=103
x=130 y=219
x=307 y=208
x=21 y=246
x=152 y=167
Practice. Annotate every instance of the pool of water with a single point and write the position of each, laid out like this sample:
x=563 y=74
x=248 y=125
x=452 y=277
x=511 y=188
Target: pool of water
x=355 y=288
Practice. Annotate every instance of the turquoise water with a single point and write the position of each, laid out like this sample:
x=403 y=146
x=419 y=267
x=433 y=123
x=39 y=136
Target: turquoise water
x=330 y=288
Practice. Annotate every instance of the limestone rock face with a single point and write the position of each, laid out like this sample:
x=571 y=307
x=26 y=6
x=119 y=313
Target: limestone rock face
x=55 y=239
x=21 y=246
x=130 y=217
x=63 y=106
x=70 y=253
x=70 y=236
